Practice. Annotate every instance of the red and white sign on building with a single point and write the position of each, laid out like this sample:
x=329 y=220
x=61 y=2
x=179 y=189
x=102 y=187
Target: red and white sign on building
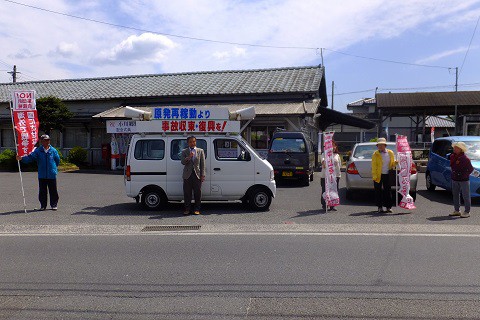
x=25 y=119
x=404 y=158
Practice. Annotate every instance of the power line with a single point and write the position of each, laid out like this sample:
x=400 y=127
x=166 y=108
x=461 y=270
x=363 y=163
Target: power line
x=161 y=33
x=385 y=60
x=468 y=49
x=222 y=42
x=406 y=89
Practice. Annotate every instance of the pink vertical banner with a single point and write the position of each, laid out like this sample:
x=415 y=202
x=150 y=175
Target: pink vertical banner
x=404 y=158
x=25 y=119
x=331 y=191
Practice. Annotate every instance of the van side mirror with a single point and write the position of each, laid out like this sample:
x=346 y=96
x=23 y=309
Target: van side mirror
x=244 y=156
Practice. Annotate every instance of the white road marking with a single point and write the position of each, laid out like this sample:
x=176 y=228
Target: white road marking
x=183 y=233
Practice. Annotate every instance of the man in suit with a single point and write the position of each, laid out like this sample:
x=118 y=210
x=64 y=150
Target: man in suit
x=193 y=159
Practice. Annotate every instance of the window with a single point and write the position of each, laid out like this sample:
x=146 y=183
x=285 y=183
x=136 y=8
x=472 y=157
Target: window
x=442 y=148
x=149 y=150
x=289 y=145
x=230 y=149
x=473 y=129
x=178 y=145
x=7 y=138
x=473 y=151
x=261 y=135
x=366 y=151
x=99 y=137
x=75 y=137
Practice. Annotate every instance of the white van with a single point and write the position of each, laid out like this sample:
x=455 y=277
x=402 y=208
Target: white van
x=234 y=170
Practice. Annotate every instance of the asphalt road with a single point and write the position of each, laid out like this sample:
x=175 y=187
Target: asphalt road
x=239 y=276
x=94 y=258
x=99 y=199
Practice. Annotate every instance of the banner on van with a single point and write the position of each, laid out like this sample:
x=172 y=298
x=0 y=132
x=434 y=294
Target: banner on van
x=177 y=126
x=190 y=113
x=404 y=158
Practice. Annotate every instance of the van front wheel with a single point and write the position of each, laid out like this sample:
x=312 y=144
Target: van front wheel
x=153 y=199
x=260 y=199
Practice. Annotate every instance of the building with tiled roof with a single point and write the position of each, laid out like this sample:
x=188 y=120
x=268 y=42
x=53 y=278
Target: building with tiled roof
x=289 y=98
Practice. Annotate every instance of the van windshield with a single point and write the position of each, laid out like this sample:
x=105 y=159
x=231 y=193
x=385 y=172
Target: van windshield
x=473 y=152
x=250 y=148
x=288 y=145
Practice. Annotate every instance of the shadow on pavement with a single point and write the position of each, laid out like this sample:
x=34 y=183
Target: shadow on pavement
x=308 y=213
x=443 y=218
x=285 y=184
x=172 y=210
x=16 y=212
x=375 y=214
x=441 y=196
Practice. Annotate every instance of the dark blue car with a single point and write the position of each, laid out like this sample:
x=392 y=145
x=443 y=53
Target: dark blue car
x=438 y=172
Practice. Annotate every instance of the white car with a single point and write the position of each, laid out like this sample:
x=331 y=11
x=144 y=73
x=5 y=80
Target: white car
x=234 y=170
x=359 y=169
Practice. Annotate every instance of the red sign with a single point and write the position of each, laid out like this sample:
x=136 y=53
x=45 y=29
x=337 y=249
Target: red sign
x=25 y=120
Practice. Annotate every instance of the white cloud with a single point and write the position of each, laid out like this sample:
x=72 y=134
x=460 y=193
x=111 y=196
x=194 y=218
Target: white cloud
x=147 y=47
x=23 y=54
x=234 y=53
x=67 y=50
x=444 y=54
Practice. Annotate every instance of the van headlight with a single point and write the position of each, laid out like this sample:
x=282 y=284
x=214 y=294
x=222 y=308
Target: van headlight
x=272 y=175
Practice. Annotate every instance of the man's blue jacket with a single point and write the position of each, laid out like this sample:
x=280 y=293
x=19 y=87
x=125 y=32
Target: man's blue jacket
x=47 y=162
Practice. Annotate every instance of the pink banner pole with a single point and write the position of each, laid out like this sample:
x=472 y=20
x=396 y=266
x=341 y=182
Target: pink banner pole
x=18 y=161
x=396 y=173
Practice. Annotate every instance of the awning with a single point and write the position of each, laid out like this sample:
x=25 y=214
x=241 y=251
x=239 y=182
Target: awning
x=328 y=117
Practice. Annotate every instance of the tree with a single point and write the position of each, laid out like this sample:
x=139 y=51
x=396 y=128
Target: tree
x=52 y=113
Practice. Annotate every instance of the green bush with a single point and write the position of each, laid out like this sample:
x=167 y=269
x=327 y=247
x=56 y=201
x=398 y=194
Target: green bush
x=374 y=140
x=77 y=156
x=7 y=160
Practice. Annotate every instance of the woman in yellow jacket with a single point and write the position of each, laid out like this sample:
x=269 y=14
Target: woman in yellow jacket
x=383 y=160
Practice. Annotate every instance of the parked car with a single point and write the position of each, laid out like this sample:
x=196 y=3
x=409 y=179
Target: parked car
x=292 y=156
x=438 y=168
x=234 y=170
x=359 y=169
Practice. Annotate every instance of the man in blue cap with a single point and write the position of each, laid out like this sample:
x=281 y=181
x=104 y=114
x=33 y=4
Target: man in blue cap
x=47 y=159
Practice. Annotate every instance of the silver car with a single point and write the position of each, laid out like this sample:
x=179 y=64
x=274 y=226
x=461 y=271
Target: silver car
x=359 y=169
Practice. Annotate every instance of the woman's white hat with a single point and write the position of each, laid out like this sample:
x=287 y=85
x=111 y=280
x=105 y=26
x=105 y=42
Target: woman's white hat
x=381 y=141
x=460 y=145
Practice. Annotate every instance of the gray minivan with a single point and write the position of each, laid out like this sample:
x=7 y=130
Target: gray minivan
x=292 y=156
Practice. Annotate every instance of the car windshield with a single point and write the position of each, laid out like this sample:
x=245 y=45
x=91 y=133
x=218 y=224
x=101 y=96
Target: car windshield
x=288 y=145
x=366 y=151
x=473 y=152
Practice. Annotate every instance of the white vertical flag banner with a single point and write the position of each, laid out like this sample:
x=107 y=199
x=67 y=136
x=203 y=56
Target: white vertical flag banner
x=404 y=158
x=331 y=191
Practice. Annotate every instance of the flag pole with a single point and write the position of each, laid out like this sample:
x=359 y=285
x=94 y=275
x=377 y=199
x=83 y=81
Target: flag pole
x=18 y=161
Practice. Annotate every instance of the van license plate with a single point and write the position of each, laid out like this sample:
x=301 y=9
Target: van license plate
x=287 y=174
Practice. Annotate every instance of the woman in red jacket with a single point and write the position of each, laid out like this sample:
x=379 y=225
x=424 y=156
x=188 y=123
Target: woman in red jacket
x=461 y=170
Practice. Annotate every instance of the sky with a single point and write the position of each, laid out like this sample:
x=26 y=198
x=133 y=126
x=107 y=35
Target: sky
x=366 y=45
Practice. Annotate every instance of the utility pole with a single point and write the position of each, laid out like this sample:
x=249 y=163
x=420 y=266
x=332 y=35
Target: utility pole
x=456 y=106
x=333 y=86
x=14 y=74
